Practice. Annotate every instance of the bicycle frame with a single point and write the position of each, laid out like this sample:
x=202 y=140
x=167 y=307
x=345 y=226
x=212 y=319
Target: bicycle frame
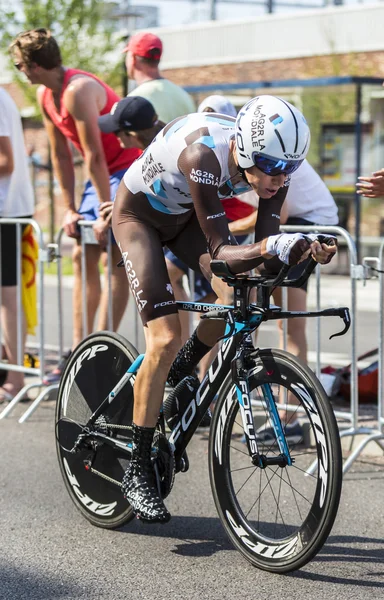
x=233 y=355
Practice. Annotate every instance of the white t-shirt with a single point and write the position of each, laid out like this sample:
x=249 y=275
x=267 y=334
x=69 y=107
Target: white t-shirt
x=309 y=198
x=16 y=192
x=169 y=100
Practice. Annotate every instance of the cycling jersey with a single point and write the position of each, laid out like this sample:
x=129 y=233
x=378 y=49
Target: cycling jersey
x=172 y=195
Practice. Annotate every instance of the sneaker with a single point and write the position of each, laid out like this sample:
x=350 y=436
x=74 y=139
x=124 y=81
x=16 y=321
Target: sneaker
x=293 y=434
x=55 y=375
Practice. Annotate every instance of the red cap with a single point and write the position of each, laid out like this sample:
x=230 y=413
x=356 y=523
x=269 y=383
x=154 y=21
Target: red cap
x=146 y=45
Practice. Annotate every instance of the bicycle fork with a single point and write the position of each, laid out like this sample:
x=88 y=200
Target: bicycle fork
x=240 y=365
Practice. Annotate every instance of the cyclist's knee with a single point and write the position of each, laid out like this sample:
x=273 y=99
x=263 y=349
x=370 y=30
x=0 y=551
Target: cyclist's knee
x=163 y=343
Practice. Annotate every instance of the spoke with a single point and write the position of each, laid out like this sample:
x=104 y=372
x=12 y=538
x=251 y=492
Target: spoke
x=304 y=471
x=294 y=496
x=239 y=451
x=278 y=511
x=246 y=481
x=292 y=487
x=278 y=504
x=242 y=469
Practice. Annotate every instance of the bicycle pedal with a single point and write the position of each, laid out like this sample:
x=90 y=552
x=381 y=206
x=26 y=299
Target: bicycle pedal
x=184 y=462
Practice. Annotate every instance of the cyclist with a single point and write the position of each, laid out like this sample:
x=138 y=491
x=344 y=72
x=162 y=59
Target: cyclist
x=171 y=195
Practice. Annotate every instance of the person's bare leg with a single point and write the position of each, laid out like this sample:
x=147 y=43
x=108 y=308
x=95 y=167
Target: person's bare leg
x=119 y=291
x=176 y=279
x=162 y=338
x=296 y=334
x=208 y=358
x=93 y=289
x=15 y=380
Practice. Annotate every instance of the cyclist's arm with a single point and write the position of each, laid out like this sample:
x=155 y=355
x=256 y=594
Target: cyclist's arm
x=210 y=212
x=61 y=157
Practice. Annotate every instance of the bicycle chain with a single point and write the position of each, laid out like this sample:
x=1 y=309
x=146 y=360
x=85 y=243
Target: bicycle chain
x=103 y=476
x=113 y=426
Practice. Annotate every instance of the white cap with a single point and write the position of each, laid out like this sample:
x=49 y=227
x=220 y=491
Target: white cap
x=219 y=104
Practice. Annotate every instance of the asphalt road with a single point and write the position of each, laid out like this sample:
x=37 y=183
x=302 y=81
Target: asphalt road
x=48 y=551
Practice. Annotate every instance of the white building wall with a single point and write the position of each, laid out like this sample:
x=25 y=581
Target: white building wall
x=305 y=33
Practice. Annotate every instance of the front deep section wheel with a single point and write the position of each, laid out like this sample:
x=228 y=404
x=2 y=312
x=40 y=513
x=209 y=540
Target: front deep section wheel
x=93 y=472
x=278 y=516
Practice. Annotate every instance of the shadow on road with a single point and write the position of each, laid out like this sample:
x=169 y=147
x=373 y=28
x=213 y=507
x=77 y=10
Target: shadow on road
x=19 y=583
x=339 y=549
x=198 y=536
x=205 y=537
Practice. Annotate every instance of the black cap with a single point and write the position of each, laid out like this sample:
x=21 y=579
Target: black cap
x=133 y=113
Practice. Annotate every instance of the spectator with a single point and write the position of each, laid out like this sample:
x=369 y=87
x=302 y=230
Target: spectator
x=71 y=101
x=217 y=104
x=142 y=62
x=16 y=200
x=373 y=186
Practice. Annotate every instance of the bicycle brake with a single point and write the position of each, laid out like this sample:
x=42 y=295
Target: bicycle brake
x=343 y=313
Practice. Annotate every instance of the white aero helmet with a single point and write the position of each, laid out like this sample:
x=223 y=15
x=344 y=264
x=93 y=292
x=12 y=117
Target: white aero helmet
x=272 y=135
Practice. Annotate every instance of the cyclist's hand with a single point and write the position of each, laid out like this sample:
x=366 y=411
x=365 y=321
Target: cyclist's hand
x=323 y=252
x=291 y=248
x=100 y=228
x=70 y=225
x=105 y=210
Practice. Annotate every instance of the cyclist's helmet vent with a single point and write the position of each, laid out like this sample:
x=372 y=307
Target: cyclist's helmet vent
x=271 y=134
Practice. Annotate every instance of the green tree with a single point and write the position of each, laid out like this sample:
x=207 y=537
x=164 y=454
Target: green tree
x=80 y=27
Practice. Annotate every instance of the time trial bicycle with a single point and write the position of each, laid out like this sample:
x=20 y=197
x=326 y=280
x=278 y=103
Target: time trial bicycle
x=276 y=501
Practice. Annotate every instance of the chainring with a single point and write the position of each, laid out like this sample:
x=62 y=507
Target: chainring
x=162 y=455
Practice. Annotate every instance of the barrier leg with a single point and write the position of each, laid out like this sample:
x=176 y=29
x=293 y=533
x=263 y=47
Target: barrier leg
x=372 y=437
x=31 y=409
x=17 y=399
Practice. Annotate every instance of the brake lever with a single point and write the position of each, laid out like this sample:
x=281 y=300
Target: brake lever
x=347 y=322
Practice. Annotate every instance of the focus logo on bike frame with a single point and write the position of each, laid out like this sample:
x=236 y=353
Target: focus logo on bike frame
x=88 y=354
x=190 y=412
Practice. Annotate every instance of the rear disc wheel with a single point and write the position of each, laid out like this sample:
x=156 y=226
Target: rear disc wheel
x=93 y=474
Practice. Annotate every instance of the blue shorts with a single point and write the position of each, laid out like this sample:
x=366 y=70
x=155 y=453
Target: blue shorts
x=89 y=205
x=202 y=285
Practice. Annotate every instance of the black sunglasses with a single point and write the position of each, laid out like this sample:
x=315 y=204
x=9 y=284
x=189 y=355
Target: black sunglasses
x=18 y=65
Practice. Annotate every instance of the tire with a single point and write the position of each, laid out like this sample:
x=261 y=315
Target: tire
x=95 y=367
x=277 y=517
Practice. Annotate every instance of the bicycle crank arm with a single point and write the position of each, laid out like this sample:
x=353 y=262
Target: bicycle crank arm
x=111 y=441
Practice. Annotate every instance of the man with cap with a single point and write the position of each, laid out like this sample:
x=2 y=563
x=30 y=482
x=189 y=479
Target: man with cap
x=134 y=121
x=142 y=62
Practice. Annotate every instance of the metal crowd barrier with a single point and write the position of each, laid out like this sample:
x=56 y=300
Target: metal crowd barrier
x=87 y=237
x=375 y=435
x=44 y=256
